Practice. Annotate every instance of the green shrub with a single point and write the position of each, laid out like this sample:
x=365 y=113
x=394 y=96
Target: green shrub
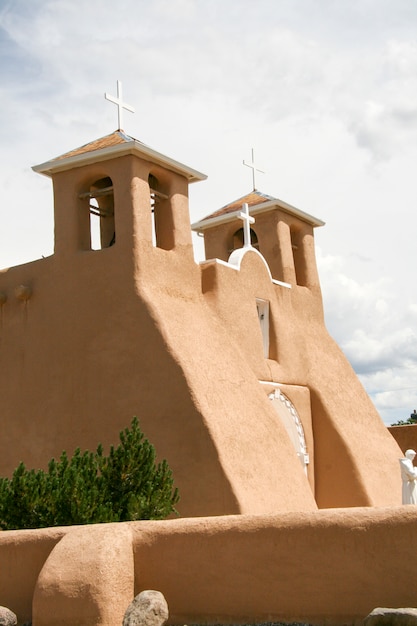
x=91 y=488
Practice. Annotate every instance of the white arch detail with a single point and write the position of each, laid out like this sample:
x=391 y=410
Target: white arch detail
x=291 y=420
x=236 y=258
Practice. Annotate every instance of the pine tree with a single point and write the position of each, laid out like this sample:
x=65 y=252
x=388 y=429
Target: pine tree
x=90 y=487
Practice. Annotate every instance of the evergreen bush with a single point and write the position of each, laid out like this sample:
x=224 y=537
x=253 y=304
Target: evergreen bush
x=91 y=488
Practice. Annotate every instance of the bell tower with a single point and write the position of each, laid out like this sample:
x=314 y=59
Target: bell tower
x=116 y=193
x=282 y=234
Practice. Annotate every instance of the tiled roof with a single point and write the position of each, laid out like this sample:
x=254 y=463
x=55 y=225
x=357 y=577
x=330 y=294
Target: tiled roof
x=118 y=137
x=258 y=202
x=111 y=146
x=252 y=198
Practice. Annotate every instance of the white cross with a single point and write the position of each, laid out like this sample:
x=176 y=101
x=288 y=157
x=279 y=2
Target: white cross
x=254 y=169
x=119 y=103
x=247 y=220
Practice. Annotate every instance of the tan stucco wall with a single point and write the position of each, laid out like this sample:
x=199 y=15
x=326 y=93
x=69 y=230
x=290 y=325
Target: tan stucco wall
x=94 y=338
x=330 y=566
x=23 y=554
x=124 y=331
x=405 y=436
x=355 y=457
x=141 y=330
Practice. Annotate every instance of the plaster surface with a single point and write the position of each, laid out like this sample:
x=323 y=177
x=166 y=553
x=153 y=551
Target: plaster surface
x=405 y=436
x=90 y=338
x=323 y=567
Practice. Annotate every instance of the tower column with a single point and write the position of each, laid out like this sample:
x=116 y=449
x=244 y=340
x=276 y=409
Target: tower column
x=137 y=203
x=174 y=228
x=312 y=276
x=71 y=215
x=286 y=252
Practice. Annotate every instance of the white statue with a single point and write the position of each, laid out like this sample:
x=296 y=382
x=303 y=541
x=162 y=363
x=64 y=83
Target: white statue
x=409 y=478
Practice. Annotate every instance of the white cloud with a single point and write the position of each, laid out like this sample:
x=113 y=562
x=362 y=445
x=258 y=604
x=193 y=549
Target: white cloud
x=393 y=392
x=378 y=337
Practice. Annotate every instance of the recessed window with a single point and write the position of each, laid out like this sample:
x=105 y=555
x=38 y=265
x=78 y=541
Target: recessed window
x=262 y=307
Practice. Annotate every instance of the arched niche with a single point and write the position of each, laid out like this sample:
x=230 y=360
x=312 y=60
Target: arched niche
x=97 y=221
x=238 y=240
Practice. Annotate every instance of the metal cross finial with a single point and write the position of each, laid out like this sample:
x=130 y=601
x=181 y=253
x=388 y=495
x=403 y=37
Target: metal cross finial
x=247 y=220
x=119 y=103
x=254 y=169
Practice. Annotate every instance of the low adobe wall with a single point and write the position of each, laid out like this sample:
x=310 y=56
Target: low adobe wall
x=405 y=436
x=23 y=554
x=332 y=566
x=326 y=567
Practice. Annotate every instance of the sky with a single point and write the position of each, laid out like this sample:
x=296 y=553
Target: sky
x=324 y=91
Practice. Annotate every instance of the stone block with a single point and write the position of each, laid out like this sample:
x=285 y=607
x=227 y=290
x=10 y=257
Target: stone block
x=149 y=608
x=382 y=616
x=7 y=617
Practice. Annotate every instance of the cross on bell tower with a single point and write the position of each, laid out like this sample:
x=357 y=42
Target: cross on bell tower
x=119 y=103
x=254 y=169
x=247 y=221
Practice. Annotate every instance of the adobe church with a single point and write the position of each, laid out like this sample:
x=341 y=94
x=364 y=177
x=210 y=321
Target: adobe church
x=227 y=363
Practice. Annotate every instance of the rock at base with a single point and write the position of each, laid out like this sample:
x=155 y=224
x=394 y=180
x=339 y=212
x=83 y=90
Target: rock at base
x=391 y=617
x=149 y=608
x=7 y=617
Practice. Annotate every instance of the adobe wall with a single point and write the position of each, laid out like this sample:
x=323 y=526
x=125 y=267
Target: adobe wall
x=356 y=458
x=108 y=336
x=84 y=355
x=126 y=331
x=350 y=469
x=23 y=554
x=327 y=567
x=133 y=329
x=322 y=567
x=405 y=436
x=253 y=446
